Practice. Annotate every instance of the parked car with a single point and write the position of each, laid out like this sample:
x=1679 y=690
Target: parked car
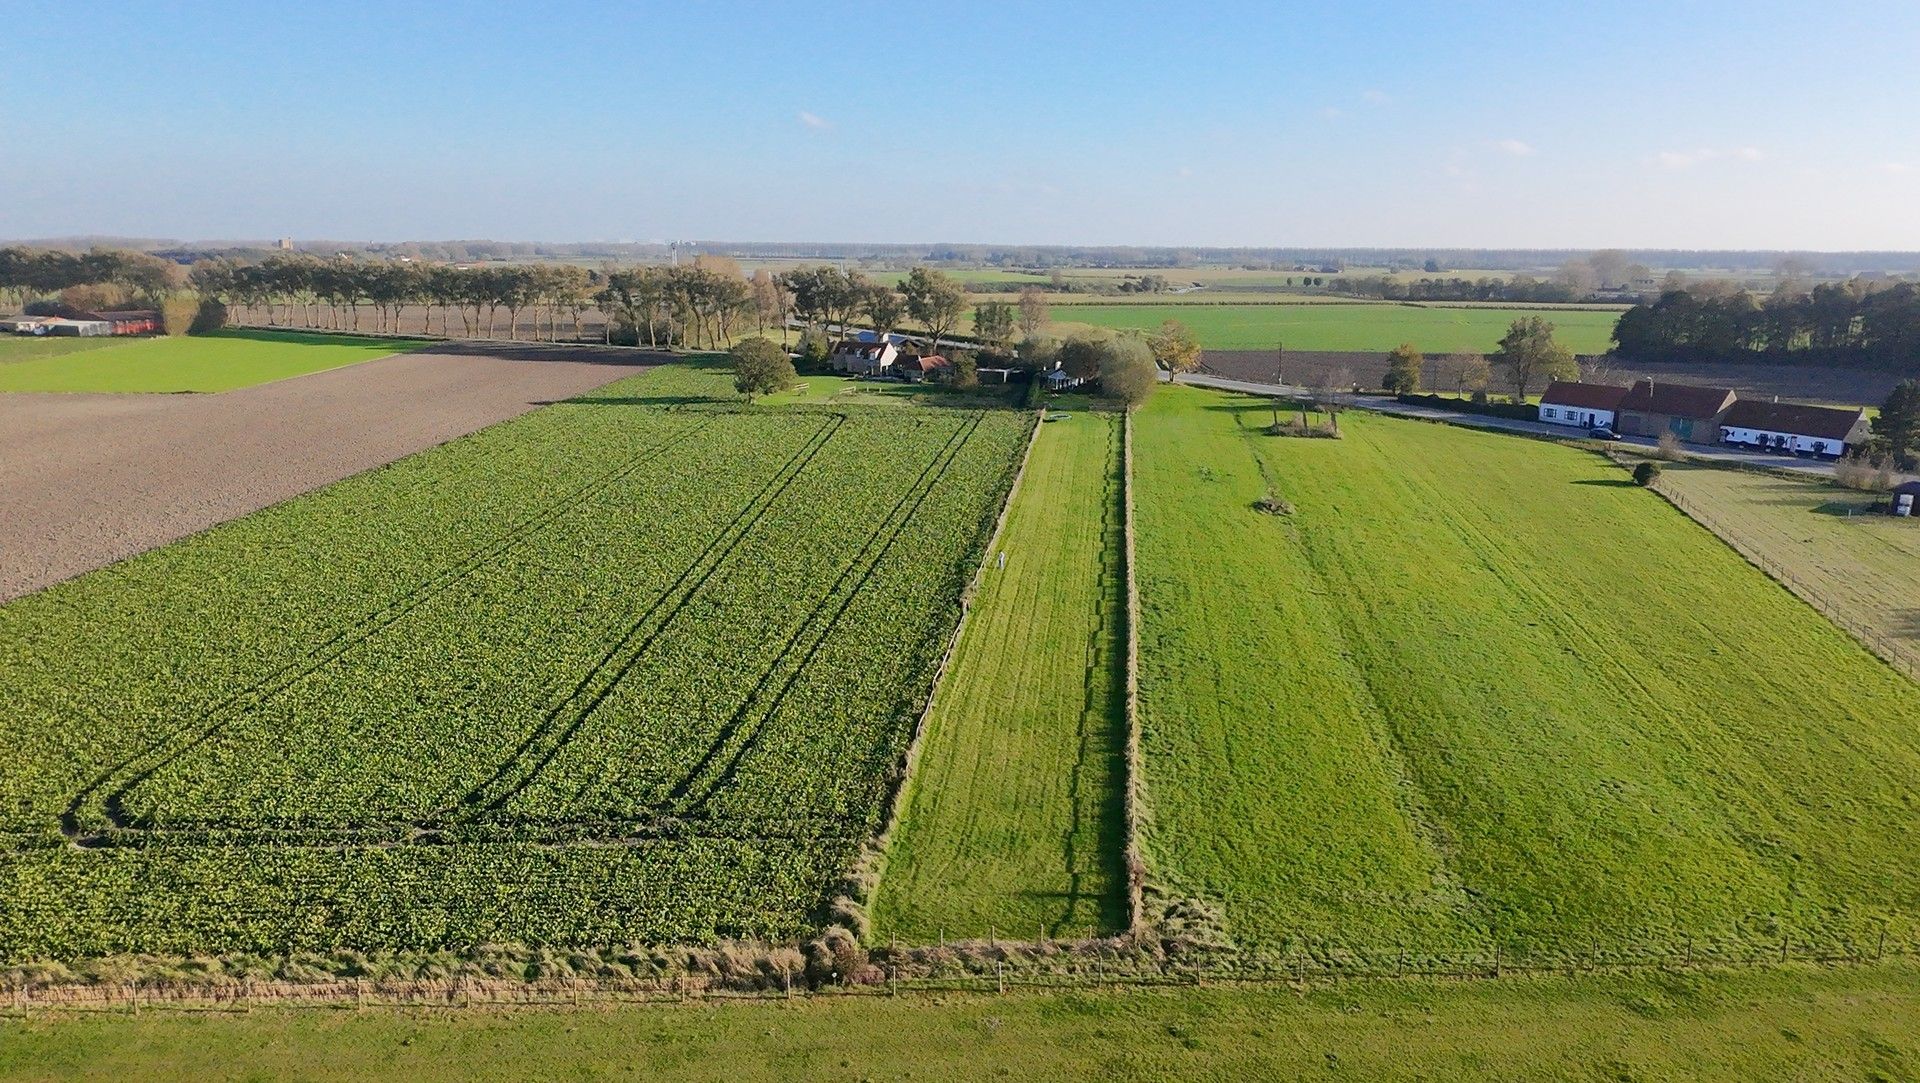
x=1601 y=432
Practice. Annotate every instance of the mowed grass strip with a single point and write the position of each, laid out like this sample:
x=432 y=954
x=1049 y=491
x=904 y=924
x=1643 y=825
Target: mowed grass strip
x=220 y=361
x=1014 y=822
x=1359 y=327
x=1849 y=1023
x=1606 y=728
x=1862 y=566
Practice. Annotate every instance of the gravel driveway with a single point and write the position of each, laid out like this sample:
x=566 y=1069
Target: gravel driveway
x=86 y=480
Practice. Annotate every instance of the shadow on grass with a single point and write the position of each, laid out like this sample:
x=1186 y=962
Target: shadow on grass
x=1609 y=483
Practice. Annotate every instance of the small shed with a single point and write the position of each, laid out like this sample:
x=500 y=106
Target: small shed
x=1904 y=500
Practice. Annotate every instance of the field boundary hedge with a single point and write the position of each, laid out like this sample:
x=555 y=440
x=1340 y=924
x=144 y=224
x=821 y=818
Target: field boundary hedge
x=867 y=874
x=969 y=967
x=1136 y=866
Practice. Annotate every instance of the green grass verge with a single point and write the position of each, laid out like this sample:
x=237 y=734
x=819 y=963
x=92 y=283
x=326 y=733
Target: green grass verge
x=1365 y=327
x=1849 y=1024
x=1479 y=687
x=220 y=361
x=1014 y=821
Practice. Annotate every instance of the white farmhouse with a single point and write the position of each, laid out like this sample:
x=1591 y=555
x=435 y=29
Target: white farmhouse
x=1586 y=406
x=1793 y=429
x=864 y=358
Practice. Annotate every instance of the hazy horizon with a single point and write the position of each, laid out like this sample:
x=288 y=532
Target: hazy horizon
x=1708 y=126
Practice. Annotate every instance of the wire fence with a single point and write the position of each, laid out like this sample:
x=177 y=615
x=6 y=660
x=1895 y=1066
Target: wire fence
x=1902 y=656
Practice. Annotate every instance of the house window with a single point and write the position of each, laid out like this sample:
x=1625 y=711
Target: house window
x=1548 y=411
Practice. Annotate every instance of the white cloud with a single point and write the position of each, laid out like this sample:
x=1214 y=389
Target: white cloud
x=1515 y=147
x=1185 y=171
x=1687 y=159
x=1375 y=97
x=1333 y=112
x=1899 y=168
x=813 y=121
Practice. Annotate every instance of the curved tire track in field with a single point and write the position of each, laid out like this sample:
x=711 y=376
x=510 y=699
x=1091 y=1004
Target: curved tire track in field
x=540 y=748
x=121 y=778
x=688 y=795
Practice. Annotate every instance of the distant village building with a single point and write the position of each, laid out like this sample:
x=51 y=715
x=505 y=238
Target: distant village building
x=1790 y=428
x=1589 y=406
x=1687 y=412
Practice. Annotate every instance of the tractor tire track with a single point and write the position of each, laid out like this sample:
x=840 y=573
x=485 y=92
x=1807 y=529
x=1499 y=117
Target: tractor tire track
x=121 y=778
x=690 y=796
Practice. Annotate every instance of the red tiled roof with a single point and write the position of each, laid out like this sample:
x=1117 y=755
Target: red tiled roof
x=1676 y=400
x=1819 y=422
x=1584 y=396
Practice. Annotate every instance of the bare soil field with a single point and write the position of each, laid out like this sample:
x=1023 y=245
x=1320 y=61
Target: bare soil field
x=88 y=479
x=1841 y=386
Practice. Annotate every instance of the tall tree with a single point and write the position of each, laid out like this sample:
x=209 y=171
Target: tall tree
x=1033 y=310
x=1174 y=348
x=761 y=368
x=993 y=323
x=883 y=306
x=934 y=299
x=1529 y=355
x=1403 y=369
x=1899 y=422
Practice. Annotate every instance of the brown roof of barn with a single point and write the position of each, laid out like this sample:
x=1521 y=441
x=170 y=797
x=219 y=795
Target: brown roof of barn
x=1821 y=422
x=1585 y=396
x=1677 y=400
x=927 y=361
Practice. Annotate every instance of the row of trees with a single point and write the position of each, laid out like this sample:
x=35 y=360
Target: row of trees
x=1529 y=357
x=26 y=273
x=1857 y=322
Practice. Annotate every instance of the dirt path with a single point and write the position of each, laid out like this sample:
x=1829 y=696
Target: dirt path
x=86 y=480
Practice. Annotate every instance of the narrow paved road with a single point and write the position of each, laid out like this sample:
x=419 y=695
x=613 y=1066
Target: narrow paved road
x=88 y=479
x=1387 y=405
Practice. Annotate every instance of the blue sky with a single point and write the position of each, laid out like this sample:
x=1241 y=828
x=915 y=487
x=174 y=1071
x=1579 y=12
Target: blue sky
x=1708 y=124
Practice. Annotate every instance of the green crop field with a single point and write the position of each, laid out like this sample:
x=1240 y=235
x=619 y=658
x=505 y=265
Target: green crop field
x=1014 y=822
x=220 y=361
x=1843 y=1024
x=1359 y=327
x=1483 y=689
x=1861 y=565
x=634 y=667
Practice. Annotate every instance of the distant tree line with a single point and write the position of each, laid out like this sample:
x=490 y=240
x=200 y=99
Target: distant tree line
x=1857 y=322
x=27 y=273
x=1518 y=288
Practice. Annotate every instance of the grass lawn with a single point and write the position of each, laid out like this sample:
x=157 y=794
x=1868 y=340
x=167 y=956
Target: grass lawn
x=220 y=361
x=1843 y=1024
x=848 y=391
x=1483 y=688
x=1014 y=821
x=1361 y=327
x=1863 y=565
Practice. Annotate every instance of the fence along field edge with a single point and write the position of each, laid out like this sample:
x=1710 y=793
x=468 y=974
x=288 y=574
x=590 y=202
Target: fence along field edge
x=1896 y=656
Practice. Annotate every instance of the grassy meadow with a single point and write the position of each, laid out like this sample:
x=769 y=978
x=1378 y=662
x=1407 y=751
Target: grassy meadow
x=220 y=361
x=1357 y=327
x=1847 y=1024
x=1481 y=689
x=1862 y=565
x=1014 y=820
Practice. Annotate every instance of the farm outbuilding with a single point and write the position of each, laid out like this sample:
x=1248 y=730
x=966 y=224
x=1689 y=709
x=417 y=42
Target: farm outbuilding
x=925 y=368
x=1904 y=500
x=128 y=322
x=22 y=325
x=70 y=328
x=1685 y=411
x=1791 y=428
